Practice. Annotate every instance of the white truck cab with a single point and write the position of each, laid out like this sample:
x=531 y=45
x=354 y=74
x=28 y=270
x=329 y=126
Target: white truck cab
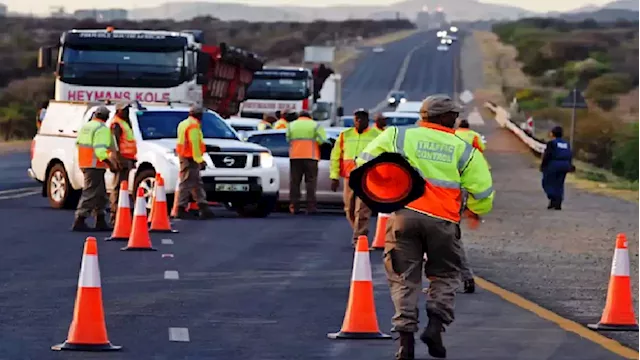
x=239 y=174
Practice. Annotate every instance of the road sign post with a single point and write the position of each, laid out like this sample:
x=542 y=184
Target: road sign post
x=574 y=101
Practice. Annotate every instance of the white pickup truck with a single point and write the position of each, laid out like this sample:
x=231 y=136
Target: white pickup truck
x=239 y=174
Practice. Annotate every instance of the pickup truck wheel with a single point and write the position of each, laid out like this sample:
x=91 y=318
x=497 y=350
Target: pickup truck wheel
x=258 y=210
x=59 y=191
x=145 y=179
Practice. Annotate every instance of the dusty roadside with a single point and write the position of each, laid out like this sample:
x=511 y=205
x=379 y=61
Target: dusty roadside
x=14 y=146
x=558 y=259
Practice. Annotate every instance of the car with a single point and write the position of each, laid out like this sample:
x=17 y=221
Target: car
x=240 y=174
x=346 y=121
x=396 y=97
x=409 y=106
x=378 y=49
x=442 y=48
x=401 y=119
x=242 y=125
x=275 y=141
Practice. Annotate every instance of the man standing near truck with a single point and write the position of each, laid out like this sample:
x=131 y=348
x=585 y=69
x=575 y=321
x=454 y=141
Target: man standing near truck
x=93 y=144
x=125 y=149
x=190 y=148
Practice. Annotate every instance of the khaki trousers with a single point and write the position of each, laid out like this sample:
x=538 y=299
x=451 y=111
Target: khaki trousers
x=94 y=194
x=190 y=184
x=357 y=212
x=118 y=178
x=409 y=236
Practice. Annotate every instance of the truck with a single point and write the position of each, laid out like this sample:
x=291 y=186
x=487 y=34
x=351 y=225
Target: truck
x=328 y=109
x=149 y=66
x=278 y=88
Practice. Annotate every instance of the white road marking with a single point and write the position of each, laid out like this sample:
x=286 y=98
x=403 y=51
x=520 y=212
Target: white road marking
x=20 y=195
x=11 y=191
x=171 y=275
x=167 y=255
x=179 y=334
x=166 y=242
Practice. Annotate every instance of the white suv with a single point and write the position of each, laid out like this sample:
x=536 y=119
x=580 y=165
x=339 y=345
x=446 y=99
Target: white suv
x=241 y=175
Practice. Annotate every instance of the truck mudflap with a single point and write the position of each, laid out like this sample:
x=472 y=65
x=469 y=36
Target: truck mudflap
x=230 y=72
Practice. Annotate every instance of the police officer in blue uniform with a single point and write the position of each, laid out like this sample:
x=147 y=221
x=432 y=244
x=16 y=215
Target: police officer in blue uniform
x=556 y=163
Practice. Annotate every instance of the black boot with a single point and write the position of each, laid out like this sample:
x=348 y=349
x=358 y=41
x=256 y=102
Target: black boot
x=407 y=345
x=183 y=214
x=205 y=212
x=557 y=205
x=551 y=204
x=432 y=336
x=469 y=286
x=101 y=224
x=79 y=224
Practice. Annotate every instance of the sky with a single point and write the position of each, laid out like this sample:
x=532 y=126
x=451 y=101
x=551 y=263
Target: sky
x=71 y=5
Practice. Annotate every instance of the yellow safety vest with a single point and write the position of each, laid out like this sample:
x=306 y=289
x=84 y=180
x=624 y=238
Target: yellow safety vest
x=93 y=142
x=471 y=137
x=280 y=124
x=190 y=143
x=447 y=163
x=349 y=145
x=305 y=136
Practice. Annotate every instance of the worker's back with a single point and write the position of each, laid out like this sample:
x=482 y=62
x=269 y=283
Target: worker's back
x=471 y=137
x=304 y=137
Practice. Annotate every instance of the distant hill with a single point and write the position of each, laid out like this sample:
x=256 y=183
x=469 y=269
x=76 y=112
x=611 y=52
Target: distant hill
x=454 y=9
x=603 y=15
x=622 y=4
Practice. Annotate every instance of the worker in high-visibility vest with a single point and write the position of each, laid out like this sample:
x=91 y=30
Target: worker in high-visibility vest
x=304 y=136
x=190 y=148
x=94 y=157
x=470 y=136
x=126 y=149
x=267 y=122
x=350 y=144
x=380 y=122
x=430 y=224
x=285 y=118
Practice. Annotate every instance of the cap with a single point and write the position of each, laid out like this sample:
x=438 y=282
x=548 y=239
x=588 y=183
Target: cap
x=102 y=113
x=196 y=110
x=361 y=111
x=438 y=104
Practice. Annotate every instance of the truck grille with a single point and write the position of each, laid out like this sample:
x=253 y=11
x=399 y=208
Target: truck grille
x=228 y=161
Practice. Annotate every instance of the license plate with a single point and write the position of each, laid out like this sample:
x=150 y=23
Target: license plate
x=232 y=187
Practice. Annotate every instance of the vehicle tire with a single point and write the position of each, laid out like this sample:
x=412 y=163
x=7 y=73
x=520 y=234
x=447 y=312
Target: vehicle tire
x=145 y=178
x=261 y=209
x=59 y=191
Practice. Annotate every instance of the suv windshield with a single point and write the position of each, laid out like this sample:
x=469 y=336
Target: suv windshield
x=164 y=125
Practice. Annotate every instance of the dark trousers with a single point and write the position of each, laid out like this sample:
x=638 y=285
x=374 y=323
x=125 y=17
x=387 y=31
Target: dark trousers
x=118 y=178
x=191 y=184
x=94 y=194
x=299 y=168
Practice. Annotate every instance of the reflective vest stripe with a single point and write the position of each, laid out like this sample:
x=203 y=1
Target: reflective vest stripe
x=304 y=147
x=350 y=143
x=127 y=143
x=280 y=124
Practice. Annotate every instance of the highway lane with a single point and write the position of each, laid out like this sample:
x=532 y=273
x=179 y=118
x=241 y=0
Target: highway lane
x=260 y=289
x=375 y=73
x=13 y=171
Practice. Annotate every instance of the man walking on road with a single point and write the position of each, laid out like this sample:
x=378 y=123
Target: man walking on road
x=471 y=137
x=430 y=224
x=380 y=122
x=350 y=144
x=125 y=151
x=190 y=148
x=94 y=157
x=304 y=136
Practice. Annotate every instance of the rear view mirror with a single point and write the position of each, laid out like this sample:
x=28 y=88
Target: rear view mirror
x=45 y=57
x=202 y=65
x=340 y=111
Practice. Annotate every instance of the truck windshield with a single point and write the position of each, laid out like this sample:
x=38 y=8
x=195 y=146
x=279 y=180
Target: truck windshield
x=164 y=125
x=278 y=89
x=122 y=67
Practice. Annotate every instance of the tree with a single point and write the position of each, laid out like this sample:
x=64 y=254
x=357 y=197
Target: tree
x=10 y=118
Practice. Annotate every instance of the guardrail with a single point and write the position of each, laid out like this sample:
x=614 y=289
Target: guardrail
x=503 y=118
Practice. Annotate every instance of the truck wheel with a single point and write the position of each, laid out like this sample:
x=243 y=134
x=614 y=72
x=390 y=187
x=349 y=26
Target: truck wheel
x=59 y=191
x=261 y=209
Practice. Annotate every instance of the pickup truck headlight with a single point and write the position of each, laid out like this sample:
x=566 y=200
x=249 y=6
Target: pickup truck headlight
x=266 y=160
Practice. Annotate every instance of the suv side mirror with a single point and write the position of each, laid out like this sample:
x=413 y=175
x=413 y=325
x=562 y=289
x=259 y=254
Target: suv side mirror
x=340 y=111
x=202 y=66
x=45 y=57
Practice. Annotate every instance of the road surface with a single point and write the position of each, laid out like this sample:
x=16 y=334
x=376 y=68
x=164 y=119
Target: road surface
x=261 y=289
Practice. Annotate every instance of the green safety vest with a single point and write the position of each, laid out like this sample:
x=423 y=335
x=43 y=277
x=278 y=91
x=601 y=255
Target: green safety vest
x=304 y=136
x=93 y=142
x=349 y=145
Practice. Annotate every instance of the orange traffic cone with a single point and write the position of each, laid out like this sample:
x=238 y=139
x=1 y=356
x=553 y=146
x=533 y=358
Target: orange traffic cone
x=139 y=238
x=88 y=331
x=122 y=228
x=153 y=197
x=160 y=217
x=618 y=314
x=360 y=320
x=381 y=231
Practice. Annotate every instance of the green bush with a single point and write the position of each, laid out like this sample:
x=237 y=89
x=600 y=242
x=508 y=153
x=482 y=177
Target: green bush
x=608 y=84
x=625 y=153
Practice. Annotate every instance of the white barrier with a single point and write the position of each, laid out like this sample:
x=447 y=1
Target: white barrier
x=503 y=118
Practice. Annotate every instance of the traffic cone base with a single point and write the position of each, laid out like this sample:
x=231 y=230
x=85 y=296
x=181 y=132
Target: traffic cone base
x=85 y=347
x=360 y=320
x=618 y=314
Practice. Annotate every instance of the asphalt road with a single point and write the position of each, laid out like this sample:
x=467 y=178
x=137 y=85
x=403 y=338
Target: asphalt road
x=13 y=171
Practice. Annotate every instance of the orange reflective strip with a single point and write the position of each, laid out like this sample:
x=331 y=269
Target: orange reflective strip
x=346 y=167
x=304 y=149
x=440 y=202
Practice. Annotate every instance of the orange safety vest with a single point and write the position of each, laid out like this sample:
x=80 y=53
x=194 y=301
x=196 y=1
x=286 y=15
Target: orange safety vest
x=126 y=143
x=185 y=149
x=280 y=124
x=86 y=145
x=303 y=139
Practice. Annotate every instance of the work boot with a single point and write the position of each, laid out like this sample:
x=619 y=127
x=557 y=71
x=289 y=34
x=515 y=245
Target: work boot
x=469 y=286
x=551 y=205
x=101 y=224
x=557 y=205
x=205 y=212
x=183 y=214
x=407 y=345
x=80 y=225
x=432 y=336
